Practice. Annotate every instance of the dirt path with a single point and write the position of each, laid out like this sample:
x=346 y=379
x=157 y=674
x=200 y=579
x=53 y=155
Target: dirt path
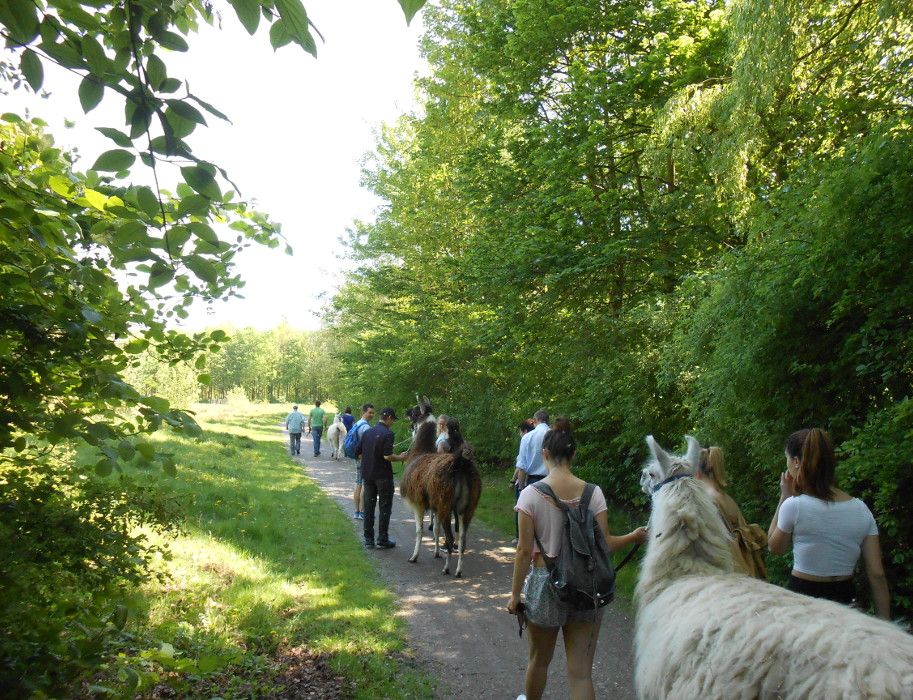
x=460 y=627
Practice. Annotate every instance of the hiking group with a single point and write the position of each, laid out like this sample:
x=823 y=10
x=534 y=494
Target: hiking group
x=296 y=423
x=563 y=574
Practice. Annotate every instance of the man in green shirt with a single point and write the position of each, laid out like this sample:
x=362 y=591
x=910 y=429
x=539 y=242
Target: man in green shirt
x=317 y=419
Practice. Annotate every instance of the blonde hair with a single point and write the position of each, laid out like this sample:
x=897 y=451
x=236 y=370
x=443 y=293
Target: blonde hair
x=712 y=463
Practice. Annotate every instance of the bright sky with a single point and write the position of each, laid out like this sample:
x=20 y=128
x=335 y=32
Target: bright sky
x=300 y=130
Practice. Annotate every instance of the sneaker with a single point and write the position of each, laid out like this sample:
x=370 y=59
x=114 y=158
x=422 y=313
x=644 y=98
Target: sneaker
x=369 y=544
x=386 y=544
x=359 y=515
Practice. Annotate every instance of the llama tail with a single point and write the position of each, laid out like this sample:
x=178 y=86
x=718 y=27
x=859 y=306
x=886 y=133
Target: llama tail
x=467 y=486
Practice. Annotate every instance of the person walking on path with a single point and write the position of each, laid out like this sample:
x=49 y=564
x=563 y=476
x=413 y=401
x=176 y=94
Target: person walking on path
x=317 y=420
x=524 y=427
x=362 y=426
x=530 y=465
x=294 y=423
x=545 y=613
x=747 y=540
x=440 y=443
x=347 y=418
x=376 y=450
x=826 y=528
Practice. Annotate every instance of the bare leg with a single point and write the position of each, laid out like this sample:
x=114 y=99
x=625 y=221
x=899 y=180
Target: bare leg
x=580 y=640
x=357 y=497
x=541 y=649
x=419 y=520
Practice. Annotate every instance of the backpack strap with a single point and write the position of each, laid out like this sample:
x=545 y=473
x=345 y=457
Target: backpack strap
x=547 y=490
x=586 y=496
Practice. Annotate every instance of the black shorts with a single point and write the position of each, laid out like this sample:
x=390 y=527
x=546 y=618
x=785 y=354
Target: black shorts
x=838 y=591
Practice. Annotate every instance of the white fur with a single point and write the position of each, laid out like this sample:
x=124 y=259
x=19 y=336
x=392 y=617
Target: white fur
x=336 y=436
x=704 y=632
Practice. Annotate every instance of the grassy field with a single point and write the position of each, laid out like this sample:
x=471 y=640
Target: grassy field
x=268 y=565
x=496 y=511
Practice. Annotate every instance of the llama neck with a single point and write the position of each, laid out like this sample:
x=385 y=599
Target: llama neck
x=687 y=538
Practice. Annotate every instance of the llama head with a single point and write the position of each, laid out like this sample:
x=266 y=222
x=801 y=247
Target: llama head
x=687 y=538
x=662 y=465
x=687 y=535
x=420 y=413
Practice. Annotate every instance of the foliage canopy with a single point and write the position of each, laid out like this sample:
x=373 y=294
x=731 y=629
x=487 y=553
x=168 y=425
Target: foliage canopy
x=656 y=217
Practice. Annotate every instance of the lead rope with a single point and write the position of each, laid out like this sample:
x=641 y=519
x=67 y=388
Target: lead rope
x=628 y=557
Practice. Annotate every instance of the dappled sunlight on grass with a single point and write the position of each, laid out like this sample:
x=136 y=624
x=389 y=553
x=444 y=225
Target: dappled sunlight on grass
x=268 y=560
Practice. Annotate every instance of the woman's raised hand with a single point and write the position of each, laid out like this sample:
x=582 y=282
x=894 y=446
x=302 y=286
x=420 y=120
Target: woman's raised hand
x=787 y=485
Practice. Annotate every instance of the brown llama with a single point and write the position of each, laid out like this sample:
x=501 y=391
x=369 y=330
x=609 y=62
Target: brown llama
x=446 y=483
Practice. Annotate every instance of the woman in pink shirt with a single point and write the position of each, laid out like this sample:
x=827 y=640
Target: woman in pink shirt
x=545 y=613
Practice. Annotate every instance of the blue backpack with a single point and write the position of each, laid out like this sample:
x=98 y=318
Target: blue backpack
x=353 y=439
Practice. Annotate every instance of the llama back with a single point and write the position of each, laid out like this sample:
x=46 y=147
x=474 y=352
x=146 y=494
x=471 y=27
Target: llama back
x=735 y=636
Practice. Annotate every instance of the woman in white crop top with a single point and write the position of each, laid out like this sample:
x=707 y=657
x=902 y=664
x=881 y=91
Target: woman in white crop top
x=826 y=527
x=546 y=614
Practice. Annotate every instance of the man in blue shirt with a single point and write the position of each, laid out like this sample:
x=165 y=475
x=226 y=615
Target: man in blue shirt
x=360 y=428
x=376 y=451
x=348 y=419
x=530 y=463
x=294 y=423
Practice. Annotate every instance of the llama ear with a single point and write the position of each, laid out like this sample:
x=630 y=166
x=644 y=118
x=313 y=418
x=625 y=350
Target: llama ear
x=662 y=458
x=694 y=452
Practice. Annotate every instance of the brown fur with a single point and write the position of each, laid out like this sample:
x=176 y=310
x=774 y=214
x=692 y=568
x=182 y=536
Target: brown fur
x=447 y=484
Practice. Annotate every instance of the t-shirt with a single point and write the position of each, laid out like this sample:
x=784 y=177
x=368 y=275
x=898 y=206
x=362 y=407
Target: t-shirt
x=442 y=439
x=295 y=421
x=827 y=535
x=530 y=458
x=347 y=420
x=548 y=519
x=317 y=416
x=375 y=444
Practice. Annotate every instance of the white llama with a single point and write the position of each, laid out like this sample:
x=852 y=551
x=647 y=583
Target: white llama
x=336 y=436
x=705 y=632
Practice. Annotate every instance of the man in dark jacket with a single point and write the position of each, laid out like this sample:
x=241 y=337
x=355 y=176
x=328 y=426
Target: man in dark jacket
x=376 y=452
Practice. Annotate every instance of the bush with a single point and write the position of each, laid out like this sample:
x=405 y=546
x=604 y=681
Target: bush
x=70 y=545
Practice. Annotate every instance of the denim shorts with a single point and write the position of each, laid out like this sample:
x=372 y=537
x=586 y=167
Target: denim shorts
x=543 y=607
x=358 y=478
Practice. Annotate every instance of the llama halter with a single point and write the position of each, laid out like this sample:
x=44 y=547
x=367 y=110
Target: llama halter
x=669 y=481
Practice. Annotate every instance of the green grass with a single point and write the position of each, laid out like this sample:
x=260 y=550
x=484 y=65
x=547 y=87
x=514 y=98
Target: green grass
x=268 y=562
x=496 y=509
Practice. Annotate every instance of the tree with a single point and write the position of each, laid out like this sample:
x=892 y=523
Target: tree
x=69 y=329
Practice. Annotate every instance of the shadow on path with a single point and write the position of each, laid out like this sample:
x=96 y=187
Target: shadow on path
x=460 y=627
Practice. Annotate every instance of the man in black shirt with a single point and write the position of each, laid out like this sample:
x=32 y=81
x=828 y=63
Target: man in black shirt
x=376 y=451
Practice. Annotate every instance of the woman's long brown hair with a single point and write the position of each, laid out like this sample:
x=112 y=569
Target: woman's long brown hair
x=817 y=462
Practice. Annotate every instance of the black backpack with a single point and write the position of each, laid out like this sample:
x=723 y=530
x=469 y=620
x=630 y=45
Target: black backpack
x=582 y=574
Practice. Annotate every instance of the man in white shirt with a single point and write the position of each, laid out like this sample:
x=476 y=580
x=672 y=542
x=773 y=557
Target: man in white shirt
x=530 y=464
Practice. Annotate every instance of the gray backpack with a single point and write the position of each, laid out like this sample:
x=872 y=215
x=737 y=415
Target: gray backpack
x=582 y=574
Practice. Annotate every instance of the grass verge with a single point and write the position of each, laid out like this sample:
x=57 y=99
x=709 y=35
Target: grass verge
x=268 y=563
x=496 y=509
